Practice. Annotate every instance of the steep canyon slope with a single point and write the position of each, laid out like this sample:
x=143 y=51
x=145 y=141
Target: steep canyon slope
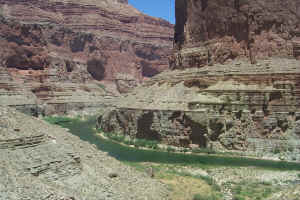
x=234 y=84
x=43 y=161
x=57 y=51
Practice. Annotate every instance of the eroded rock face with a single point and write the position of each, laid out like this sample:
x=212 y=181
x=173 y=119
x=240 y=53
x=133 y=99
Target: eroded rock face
x=253 y=109
x=238 y=87
x=58 y=51
x=110 y=29
x=212 y=31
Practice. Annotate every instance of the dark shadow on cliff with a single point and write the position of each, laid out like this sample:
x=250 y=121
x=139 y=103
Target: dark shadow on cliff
x=96 y=69
x=144 y=128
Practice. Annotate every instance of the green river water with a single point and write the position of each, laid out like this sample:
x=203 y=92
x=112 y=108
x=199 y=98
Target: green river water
x=85 y=129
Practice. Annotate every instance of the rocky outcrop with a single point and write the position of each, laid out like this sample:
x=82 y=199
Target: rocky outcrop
x=212 y=31
x=62 y=55
x=241 y=107
x=42 y=161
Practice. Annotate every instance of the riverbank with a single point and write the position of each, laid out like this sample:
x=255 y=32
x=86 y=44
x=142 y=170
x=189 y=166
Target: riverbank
x=219 y=177
x=142 y=144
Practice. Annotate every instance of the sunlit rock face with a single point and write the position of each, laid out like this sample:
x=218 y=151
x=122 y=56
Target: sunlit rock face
x=111 y=29
x=212 y=31
x=234 y=84
x=237 y=107
x=58 y=51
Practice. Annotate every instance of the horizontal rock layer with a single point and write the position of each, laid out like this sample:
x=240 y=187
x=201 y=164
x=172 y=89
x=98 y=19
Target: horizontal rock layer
x=240 y=107
x=126 y=40
x=42 y=161
x=57 y=52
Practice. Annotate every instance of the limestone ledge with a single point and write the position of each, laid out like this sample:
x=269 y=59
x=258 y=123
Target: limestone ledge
x=223 y=107
x=276 y=135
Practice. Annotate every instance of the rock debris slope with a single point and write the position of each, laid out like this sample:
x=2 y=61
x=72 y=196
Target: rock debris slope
x=41 y=161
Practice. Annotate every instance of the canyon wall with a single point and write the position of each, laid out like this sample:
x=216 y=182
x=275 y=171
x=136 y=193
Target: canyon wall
x=237 y=88
x=63 y=54
x=245 y=108
x=126 y=40
x=212 y=31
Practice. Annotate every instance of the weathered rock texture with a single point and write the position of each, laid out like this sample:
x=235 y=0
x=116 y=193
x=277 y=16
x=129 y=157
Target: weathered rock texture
x=42 y=161
x=243 y=91
x=240 y=107
x=58 y=51
x=245 y=96
x=125 y=40
x=213 y=31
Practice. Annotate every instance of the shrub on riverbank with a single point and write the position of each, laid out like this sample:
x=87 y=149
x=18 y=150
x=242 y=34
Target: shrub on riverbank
x=151 y=144
x=58 y=120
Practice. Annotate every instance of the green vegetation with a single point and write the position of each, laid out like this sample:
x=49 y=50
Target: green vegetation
x=168 y=167
x=238 y=197
x=58 y=120
x=253 y=190
x=151 y=144
x=206 y=197
x=276 y=150
x=291 y=148
x=170 y=149
x=103 y=87
x=183 y=184
x=209 y=181
x=204 y=150
x=146 y=143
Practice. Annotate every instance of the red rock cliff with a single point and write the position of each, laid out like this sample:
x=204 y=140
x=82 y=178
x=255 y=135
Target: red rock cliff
x=214 y=31
x=126 y=40
x=56 y=51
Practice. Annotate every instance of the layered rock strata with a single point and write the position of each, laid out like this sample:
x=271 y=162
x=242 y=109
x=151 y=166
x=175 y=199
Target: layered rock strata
x=234 y=85
x=125 y=40
x=58 y=52
x=237 y=107
x=296 y=46
x=50 y=97
x=42 y=161
x=212 y=31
